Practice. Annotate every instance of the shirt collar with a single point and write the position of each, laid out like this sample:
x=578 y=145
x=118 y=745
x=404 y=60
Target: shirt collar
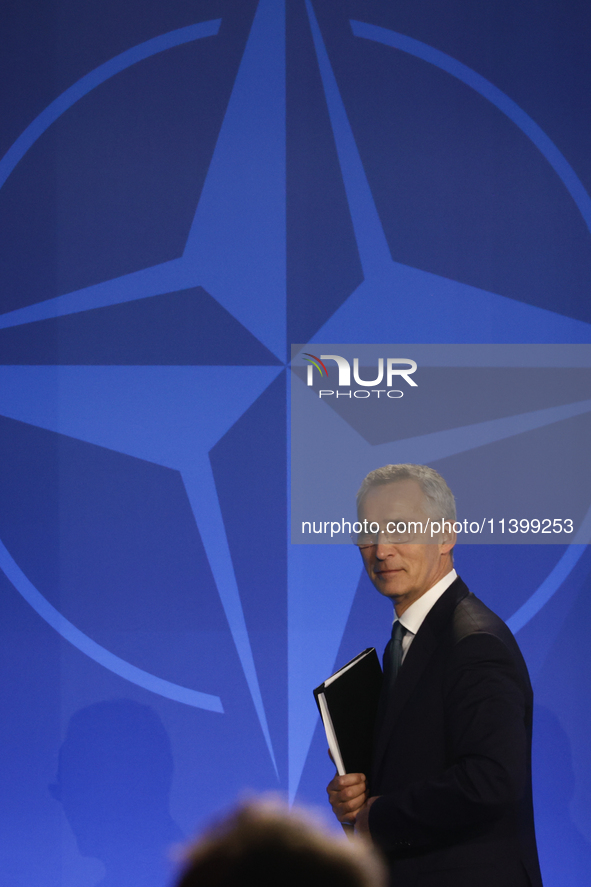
x=412 y=619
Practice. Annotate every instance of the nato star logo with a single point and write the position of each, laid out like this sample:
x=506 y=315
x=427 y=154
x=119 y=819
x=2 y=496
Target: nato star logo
x=173 y=416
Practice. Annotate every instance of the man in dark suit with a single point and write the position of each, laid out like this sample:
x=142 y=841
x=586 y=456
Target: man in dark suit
x=449 y=796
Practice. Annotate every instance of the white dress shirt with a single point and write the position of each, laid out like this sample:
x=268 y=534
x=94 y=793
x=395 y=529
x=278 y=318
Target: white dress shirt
x=412 y=619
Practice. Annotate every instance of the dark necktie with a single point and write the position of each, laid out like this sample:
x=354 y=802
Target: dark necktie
x=393 y=655
x=391 y=663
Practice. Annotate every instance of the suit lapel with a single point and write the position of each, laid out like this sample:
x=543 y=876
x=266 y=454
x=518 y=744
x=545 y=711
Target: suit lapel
x=416 y=660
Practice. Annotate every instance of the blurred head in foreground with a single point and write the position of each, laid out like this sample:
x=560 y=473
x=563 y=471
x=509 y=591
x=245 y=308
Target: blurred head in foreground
x=264 y=843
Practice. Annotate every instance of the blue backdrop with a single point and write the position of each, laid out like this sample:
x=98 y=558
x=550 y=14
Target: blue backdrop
x=186 y=188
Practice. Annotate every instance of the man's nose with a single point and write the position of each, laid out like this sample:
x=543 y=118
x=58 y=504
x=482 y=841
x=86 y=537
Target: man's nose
x=384 y=550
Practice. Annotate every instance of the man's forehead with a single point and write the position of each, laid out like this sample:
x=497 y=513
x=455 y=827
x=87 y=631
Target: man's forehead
x=405 y=493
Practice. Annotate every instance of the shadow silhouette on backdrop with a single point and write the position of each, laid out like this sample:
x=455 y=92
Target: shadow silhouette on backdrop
x=114 y=777
x=565 y=854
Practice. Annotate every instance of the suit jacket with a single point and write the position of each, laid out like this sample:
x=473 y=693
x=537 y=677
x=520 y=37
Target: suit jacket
x=452 y=755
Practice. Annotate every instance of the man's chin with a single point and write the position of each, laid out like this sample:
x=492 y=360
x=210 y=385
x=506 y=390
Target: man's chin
x=390 y=588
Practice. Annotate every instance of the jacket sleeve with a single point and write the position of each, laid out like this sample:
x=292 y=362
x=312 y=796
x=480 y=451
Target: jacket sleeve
x=486 y=703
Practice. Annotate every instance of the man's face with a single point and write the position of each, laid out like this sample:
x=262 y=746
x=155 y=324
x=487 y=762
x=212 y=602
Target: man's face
x=402 y=571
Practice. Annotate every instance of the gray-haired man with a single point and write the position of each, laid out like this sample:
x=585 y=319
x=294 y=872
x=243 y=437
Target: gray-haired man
x=449 y=796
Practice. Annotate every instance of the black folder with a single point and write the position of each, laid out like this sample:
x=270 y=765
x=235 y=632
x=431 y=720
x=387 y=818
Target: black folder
x=348 y=704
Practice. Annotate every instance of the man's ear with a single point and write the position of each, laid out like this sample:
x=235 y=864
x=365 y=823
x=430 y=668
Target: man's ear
x=449 y=540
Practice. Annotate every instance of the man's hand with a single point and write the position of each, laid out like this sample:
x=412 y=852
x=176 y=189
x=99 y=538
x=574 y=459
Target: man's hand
x=362 y=819
x=347 y=795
